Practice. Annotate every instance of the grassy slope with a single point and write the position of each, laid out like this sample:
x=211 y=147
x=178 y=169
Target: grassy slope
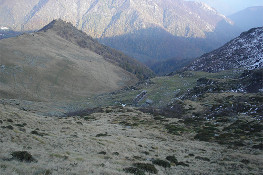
x=43 y=66
x=70 y=33
x=109 y=141
x=162 y=90
x=216 y=133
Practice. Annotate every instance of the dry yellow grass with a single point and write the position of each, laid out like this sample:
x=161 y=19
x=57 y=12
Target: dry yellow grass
x=44 y=66
x=71 y=145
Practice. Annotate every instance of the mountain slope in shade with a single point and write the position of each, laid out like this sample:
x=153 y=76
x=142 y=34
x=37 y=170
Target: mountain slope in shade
x=129 y=25
x=45 y=66
x=167 y=66
x=248 y=18
x=245 y=51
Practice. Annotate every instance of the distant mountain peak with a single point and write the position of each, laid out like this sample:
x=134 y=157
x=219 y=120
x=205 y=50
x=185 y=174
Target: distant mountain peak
x=4 y=28
x=56 y=24
x=248 y=18
x=205 y=6
x=69 y=32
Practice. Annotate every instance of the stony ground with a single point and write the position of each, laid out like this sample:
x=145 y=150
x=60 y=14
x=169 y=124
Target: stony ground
x=114 y=140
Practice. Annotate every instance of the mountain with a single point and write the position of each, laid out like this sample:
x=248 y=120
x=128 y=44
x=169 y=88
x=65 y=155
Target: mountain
x=5 y=32
x=227 y=7
x=70 y=33
x=245 y=51
x=170 y=65
x=248 y=18
x=61 y=63
x=146 y=30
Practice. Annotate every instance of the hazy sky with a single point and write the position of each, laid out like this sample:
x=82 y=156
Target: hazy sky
x=228 y=7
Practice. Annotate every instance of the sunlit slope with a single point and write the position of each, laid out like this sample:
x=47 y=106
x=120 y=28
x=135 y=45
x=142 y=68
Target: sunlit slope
x=45 y=66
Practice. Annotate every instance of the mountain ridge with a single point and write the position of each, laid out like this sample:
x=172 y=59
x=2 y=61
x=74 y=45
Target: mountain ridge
x=44 y=66
x=245 y=51
x=67 y=31
x=105 y=20
x=248 y=18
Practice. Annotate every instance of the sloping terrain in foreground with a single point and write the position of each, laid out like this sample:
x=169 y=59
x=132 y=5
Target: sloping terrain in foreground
x=115 y=140
x=188 y=123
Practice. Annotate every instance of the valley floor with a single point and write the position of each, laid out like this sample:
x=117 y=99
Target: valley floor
x=112 y=141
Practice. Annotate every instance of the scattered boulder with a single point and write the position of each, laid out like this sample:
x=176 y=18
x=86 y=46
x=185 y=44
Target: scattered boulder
x=149 y=102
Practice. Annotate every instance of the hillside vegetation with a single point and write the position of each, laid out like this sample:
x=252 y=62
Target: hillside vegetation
x=70 y=33
x=187 y=123
x=117 y=140
x=69 y=105
x=44 y=66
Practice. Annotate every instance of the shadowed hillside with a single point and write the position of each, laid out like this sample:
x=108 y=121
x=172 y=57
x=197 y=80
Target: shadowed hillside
x=121 y=24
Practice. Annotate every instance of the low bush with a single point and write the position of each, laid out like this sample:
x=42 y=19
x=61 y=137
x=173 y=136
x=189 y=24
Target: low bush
x=162 y=163
x=147 y=167
x=134 y=170
x=23 y=156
